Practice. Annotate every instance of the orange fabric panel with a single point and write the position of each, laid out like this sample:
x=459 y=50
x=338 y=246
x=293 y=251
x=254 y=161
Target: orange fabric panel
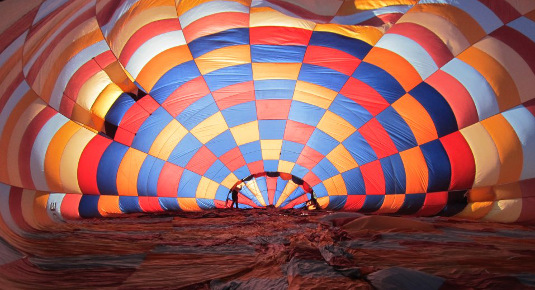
x=508 y=191
x=481 y=194
x=416 y=172
x=188 y=204
x=417 y=117
x=40 y=211
x=54 y=153
x=108 y=205
x=215 y=23
x=395 y=65
x=128 y=172
x=476 y=210
x=391 y=204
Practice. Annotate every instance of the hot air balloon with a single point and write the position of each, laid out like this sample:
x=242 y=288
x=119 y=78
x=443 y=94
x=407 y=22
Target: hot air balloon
x=393 y=107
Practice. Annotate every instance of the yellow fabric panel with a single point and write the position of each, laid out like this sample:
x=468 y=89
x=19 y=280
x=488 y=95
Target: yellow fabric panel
x=505 y=211
x=230 y=180
x=508 y=191
x=508 y=146
x=207 y=188
x=520 y=72
x=15 y=140
x=486 y=155
x=70 y=158
x=271 y=149
x=253 y=187
x=496 y=75
x=54 y=154
x=323 y=201
x=210 y=128
x=264 y=71
x=245 y=133
x=341 y=159
x=108 y=205
x=128 y=171
x=350 y=6
x=450 y=35
x=188 y=204
x=285 y=166
x=120 y=77
x=335 y=126
x=476 y=210
x=265 y=16
x=223 y=57
x=314 y=94
x=91 y=89
x=168 y=138
x=368 y=34
x=417 y=117
x=288 y=189
x=105 y=100
x=335 y=185
x=416 y=171
x=184 y=6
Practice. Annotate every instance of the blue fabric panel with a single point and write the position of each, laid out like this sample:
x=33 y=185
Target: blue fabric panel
x=149 y=130
x=247 y=193
x=377 y=78
x=295 y=194
x=205 y=204
x=229 y=76
x=372 y=203
x=222 y=193
x=169 y=203
x=108 y=167
x=184 y=150
x=187 y=187
x=262 y=186
x=242 y=172
x=322 y=142
x=325 y=169
x=88 y=207
x=277 y=53
x=240 y=114
x=352 y=112
x=359 y=149
x=457 y=201
x=437 y=107
x=218 y=40
x=398 y=130
x=299 y=171
x=173 y=79
x=198 y=112
x=438 y=165
x=412 y=204
x=355 y=47
x=129 y=204
x=119 y=108
x=251 y=151
x=394 y=176
x=274 y=89
x=272 y=129
x=337 y=202
x=322 y=76
x=214 y=171
x=291 y=151
x=222 y=143
x=281 y=184
x=140 y=87
x=320 y=190
x=305 y=113
x=354 y=182
x=147 y=180
x=271 y=165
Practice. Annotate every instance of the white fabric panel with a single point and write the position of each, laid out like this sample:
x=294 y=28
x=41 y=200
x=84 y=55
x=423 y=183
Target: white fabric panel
x=106 y=28
x=53 y=206
x=48 y=7
x=50 y=38
x=525 y=26
x=5 y=211
x=410 y=50
x=481 y=13
x=152 y=48
x=524 y=124
x=478 y=87
x=365 y=15
x=12 y=48
x=12 y=101
x=72 y=67
x=40 y=146
x=210 y=8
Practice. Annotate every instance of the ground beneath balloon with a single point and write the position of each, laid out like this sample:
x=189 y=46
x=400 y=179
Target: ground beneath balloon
x=274 y=249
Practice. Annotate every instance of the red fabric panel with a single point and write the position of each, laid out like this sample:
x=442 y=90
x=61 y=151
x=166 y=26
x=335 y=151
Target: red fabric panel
x=273 y=109
x=4 y=97
x=88 y=164
x=517 y=41
x=66 y=106
x=168 y=180
x=457 y=97
x=311 y=179
x=434 y=202
x=186 y=95
x=425 y=38
x=298 y=132
x=502 y=9
x=27 y=142
x=69 y=206
x=105 y=59
x=300 y=199
x=463 y=168
x=224 y=21
x=134 y=118
x=530 y=105
x=278 y=35
x=233 y=159
x=271 y=183
x=15 y=206
x=332 y=58
x=309 y=158
x=201 y=161
x=80 y=77
x=378 y=138
x=145 y=33
x=379 y=20
x=234 y=94
x=242 y=199
x=364 y=95
x=374 y=179
x=354 y=202
x=124 y=136
x=16 y=29
x=150 y=204
x=256 y=167
x=105 y=12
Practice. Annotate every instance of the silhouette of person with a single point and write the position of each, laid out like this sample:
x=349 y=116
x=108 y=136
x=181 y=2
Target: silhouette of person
x=235 y=192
